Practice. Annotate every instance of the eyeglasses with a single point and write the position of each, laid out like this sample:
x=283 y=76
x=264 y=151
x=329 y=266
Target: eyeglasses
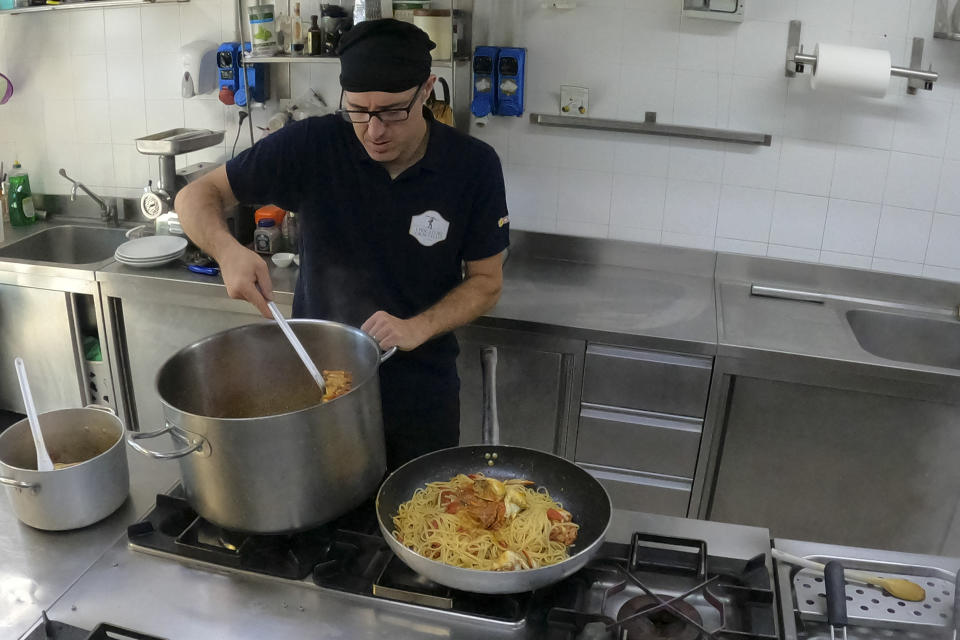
x=385 y=115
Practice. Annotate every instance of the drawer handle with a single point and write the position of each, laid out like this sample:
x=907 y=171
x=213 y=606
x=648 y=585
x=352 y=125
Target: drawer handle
x=662 y=482
x=642 y=418
x=659 y=357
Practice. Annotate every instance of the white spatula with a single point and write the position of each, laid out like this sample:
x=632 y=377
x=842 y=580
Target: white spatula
x=44 y=463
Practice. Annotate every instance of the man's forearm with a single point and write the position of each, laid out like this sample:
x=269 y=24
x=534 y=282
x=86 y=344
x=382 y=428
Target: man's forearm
x=469 y=300
x=201 y=208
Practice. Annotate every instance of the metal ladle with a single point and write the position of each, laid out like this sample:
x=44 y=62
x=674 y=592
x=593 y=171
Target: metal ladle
x=44 y=463
x=297 y=346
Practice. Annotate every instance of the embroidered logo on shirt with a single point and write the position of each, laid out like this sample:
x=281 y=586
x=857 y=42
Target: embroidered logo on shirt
x=502 y=221
x=429 y=228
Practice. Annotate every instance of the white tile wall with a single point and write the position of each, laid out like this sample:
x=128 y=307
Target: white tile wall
x=861 y=182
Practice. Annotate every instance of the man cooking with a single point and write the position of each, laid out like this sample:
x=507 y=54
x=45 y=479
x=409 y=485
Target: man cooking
x=403 y=222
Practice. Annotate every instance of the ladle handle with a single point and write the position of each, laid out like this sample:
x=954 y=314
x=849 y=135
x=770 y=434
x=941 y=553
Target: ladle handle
x=297 y=346
x=44 y=463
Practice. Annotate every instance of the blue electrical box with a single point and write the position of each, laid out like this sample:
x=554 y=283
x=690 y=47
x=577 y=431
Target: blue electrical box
x=229 y=66
x=509 y=81
x=484 y=82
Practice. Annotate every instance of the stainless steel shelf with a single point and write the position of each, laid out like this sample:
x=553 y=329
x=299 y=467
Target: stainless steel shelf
x=89 y=4
x=248 y=60
x=651 y=127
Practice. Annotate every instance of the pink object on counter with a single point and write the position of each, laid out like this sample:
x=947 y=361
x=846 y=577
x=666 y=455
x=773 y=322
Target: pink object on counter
x=6 y=89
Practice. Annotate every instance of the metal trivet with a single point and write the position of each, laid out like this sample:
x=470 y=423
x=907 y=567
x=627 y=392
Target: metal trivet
x=871 y=606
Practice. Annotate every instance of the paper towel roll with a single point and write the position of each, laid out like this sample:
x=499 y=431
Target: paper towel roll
x=854 y=69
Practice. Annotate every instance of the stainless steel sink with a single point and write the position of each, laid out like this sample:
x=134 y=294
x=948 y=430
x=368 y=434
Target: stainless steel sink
x=68 y=245
x=920 y=340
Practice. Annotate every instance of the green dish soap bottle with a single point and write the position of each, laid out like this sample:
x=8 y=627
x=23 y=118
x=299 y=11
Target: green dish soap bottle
x=22 y=212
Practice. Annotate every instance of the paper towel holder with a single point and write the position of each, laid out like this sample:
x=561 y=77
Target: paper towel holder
x=917 y=78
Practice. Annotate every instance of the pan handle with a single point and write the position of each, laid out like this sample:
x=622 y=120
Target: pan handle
x=195 y=443
x=490 y=427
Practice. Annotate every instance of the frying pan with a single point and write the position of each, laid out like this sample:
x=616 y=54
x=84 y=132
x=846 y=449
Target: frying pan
x=574 y=488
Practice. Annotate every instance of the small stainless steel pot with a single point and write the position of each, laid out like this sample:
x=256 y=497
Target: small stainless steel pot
x=258 y=451
x=94 y=485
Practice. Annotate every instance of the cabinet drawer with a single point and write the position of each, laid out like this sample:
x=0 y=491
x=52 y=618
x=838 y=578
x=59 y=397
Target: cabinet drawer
x=648 y=493
x=648 y=380
x=638 y=440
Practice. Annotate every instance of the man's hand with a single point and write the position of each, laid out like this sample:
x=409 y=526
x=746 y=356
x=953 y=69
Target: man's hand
x=246 y=276
x=390 y=331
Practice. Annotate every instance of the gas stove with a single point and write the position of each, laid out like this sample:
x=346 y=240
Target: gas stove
x=654 y=586
x=174 y=576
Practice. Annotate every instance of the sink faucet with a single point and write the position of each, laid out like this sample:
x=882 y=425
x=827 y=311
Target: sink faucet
x=108 y=213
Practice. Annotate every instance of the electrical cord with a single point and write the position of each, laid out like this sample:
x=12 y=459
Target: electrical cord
x=243 y=116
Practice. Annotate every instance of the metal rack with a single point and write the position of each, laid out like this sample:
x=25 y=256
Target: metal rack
x=88 y=4
x=460 y=81
x=652 y=127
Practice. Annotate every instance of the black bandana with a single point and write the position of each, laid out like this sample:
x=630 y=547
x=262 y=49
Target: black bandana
x=384 y=55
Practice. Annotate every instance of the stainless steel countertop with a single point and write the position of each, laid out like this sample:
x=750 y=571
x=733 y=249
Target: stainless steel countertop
x=815 y=339
x=181 y=601
x=638 y=295
x=175 y=279
x=36 y=567
x=624 y=305
x=641 y=306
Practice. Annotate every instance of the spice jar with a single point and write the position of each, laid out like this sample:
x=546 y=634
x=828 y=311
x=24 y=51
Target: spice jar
x=266 y=239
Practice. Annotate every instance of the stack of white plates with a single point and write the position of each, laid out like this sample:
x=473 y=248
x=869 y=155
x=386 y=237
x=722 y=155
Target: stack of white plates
x=151 y=251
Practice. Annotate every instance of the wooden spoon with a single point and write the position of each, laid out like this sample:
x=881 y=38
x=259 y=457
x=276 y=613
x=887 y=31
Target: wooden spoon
x=897 y=587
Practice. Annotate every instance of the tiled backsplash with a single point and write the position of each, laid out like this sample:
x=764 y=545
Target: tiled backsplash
x=851 y=181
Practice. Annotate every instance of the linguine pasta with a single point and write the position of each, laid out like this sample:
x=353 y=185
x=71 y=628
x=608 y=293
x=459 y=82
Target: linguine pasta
x=475 y=522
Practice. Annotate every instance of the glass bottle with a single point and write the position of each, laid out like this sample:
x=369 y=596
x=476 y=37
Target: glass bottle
x=297 y=26
x=314 y=37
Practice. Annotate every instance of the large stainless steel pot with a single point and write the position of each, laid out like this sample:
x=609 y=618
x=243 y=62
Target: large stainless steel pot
x=258 y=452
x=74 y=496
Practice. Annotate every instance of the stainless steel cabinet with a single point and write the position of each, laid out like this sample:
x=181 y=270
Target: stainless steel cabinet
x=44 y=320
x=640 y=425
x=657 y=381
x=36 y=324
x=538 y=387
x=846 y=467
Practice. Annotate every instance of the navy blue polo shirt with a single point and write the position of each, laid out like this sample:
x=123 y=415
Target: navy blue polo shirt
x=369 y=242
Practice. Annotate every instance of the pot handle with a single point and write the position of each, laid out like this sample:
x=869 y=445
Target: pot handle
x=101 y=407
x=193 y=444
x=387 y=354
x=490 y=426
x=19 y=484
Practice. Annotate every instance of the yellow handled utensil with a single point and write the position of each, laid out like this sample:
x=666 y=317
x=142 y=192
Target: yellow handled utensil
x=897 y=587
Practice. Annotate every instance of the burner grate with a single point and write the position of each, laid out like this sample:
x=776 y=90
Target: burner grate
x=656 y=587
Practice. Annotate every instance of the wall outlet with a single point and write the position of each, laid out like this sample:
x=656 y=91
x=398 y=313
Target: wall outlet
x=574 y=101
